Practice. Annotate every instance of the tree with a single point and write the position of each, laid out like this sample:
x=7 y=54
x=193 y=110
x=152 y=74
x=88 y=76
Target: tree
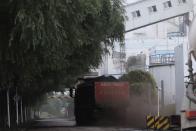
x=49 y=43
x=139 y=79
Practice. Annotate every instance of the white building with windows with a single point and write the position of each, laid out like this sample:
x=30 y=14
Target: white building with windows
x=155 y=28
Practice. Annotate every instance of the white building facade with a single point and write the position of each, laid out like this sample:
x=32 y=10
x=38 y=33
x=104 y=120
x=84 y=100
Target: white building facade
x=159 y=38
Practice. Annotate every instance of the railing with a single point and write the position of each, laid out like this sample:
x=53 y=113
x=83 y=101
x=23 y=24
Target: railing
x=138 y=67
x=160 y=59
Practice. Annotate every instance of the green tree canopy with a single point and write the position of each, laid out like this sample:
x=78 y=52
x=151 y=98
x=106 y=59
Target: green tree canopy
x=138 y=78
x=45 y=44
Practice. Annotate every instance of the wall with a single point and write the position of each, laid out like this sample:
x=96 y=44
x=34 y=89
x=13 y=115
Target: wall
x=179 y=72
x=162 y=13
x=167 y=74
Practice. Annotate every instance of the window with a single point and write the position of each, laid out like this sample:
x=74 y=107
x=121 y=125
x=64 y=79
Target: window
x=136 y=14
x=167 y=4
x=181 y=1
x=152 y=9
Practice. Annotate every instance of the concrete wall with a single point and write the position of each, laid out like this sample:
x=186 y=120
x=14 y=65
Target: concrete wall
x=179 y=73
x=145 y=18
x=165 y=73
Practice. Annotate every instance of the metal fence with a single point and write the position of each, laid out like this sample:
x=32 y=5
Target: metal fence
x=159 y=59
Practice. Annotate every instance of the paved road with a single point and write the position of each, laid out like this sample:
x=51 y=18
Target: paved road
x=69 y=125
x=84 y=129
x=55 y=122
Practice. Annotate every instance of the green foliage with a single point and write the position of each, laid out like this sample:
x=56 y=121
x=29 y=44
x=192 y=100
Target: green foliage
x=49 y=43
x=138 y=80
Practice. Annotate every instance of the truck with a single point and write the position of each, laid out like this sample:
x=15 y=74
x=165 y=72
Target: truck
x=100 y=99
x=188 y=112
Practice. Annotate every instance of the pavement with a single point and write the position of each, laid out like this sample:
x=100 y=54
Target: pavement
x=60 y=124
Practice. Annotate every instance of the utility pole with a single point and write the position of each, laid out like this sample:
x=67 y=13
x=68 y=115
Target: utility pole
x=122 y=58
x=162 y=94
x=158 y=112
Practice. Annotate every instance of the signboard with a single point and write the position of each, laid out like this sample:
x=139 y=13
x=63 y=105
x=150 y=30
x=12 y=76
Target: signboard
x=112 y=94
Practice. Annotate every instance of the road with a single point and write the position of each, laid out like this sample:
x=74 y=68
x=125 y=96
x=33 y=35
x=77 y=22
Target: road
x=55 y=122
x=84 y=129
x=59 y=124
